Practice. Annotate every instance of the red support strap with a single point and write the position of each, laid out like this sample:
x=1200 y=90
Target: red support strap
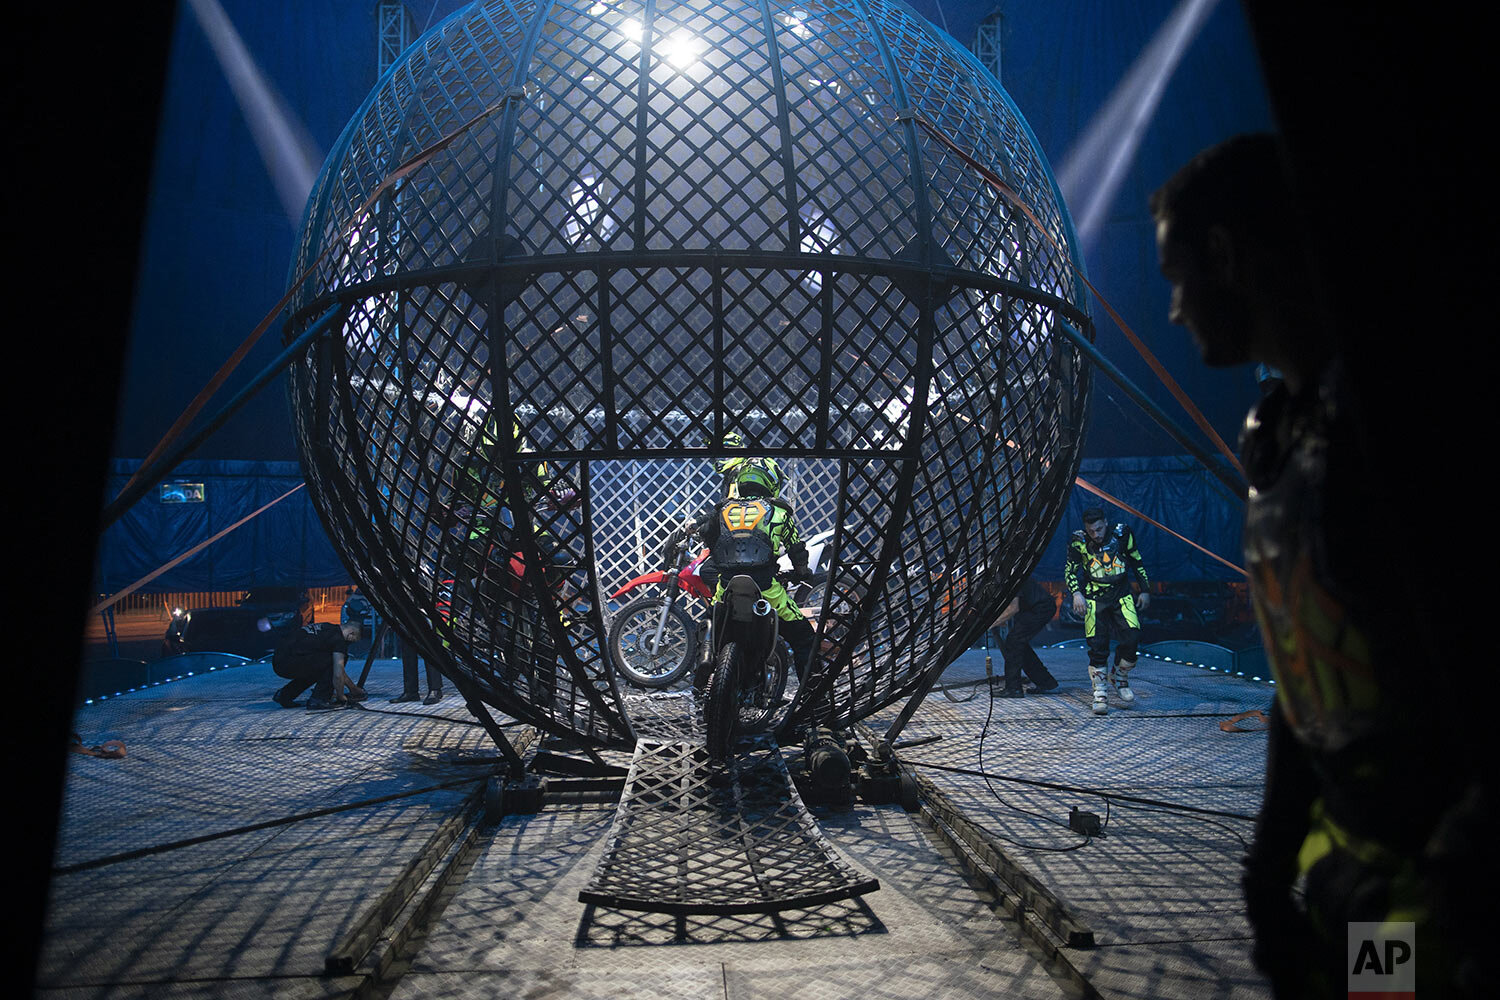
x=1126 y=507
x=115 y=597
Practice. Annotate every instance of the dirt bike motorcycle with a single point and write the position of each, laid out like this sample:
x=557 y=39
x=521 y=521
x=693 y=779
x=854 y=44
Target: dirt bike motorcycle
x=749 y=658
x=652 y=639
x=655 y=638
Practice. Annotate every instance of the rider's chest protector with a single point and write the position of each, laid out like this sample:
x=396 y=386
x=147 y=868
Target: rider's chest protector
x=1103 y=564
x=744 y=540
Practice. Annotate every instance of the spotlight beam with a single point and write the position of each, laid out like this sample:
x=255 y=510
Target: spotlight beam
x=1093 y=169
x=288 y=152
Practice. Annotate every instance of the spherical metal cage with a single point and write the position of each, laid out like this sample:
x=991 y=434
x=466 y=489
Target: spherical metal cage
x=634 y=228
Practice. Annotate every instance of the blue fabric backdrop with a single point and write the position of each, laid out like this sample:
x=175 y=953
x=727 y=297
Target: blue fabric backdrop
x=285 y=545
x=1173 y=490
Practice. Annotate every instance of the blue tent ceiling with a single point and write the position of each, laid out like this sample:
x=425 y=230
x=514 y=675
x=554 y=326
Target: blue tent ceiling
x=217 y=241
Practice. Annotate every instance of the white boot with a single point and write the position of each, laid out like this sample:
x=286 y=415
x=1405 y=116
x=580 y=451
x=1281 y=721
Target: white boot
x=1120 y=677
x=1101 y=700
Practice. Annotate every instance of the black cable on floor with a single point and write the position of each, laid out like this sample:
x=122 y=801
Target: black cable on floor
x=428 y=715
x=1168 y=806
x=989 y=676
x=1176 y=809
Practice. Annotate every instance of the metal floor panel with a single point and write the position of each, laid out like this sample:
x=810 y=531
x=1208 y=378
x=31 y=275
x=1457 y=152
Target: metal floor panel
x=210 y=755
x=665 y=715
x=680 y=844
x=927 y=933
x=1160 y=890
x=216 y=989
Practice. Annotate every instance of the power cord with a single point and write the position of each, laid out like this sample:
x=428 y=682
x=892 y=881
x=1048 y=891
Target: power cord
x=989 y=672
x=1080 y=823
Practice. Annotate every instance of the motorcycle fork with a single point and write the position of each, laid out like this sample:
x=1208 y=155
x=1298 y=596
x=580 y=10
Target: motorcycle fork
x=666 y=609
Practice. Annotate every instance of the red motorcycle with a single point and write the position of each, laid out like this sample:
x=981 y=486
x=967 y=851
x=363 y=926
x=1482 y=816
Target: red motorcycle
x=652 y=640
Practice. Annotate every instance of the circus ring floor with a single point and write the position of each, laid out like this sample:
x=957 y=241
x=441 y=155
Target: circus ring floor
x=240 y=849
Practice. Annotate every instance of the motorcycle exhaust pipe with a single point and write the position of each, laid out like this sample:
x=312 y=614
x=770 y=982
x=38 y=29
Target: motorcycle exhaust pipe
x=762 y=607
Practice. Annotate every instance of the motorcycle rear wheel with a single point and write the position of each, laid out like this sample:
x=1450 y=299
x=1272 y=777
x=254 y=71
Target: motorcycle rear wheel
x=758 y=707
x=721 y=704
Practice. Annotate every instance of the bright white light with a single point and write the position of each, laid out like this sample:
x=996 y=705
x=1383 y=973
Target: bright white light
x=682 y=49
x=797 y=21
x=598 y=8
x=632 y=30
x=1094 y=168
x=818 y=236
x=290 y=155
x=587 y=217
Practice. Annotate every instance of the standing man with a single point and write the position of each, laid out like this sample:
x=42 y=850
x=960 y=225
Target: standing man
x=409 y=679
x=1107 y=578
x=1371 y=792
x=1028 y=613
x=313 y=657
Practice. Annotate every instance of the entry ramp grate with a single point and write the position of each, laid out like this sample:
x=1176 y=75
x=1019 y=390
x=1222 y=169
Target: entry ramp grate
x=681 y=844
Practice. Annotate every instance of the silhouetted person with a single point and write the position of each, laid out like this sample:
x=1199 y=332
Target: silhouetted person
x=1369 y=792
x=1028 y=613
x=313 y=657
x=409 y=680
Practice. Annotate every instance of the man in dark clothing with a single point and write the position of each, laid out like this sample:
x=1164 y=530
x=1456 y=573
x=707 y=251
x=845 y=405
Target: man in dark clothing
x=409 y=690
x=1371 y=794
x=1028 y=613
x=313 y=657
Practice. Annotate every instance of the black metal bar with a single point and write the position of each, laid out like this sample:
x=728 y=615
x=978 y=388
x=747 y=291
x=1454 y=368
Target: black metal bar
x=1153 y=411
x=517 y=269
x=148 y=478
x=380 y=632
x=916 y=426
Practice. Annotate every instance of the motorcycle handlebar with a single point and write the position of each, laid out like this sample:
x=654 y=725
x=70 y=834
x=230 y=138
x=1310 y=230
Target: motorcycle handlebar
x=811 y=579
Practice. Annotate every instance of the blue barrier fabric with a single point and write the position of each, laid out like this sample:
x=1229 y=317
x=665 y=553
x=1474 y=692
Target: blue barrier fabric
x=284 y=546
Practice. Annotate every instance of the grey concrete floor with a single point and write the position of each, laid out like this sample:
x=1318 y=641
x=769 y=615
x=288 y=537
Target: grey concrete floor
x=238 y=843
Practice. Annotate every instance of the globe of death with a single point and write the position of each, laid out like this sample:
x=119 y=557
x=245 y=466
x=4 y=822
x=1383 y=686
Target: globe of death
x=567 y=256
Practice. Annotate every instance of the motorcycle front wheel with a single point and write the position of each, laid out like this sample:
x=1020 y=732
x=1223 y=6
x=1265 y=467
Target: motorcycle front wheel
x=638 y=657
x=758 y=706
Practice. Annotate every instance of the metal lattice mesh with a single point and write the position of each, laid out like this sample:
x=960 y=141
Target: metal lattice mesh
x=681 y=844
x=648 y=225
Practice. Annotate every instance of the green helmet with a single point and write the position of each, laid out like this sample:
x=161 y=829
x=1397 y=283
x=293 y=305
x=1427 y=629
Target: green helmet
x=727 y=465
x=759 y=477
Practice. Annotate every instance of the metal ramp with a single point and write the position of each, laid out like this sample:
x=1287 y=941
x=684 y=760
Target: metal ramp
x=683 y=845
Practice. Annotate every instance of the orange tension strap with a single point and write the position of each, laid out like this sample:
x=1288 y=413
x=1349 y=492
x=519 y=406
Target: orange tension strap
x=1125 y=506
x=109 y=749
x=1256 y=718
